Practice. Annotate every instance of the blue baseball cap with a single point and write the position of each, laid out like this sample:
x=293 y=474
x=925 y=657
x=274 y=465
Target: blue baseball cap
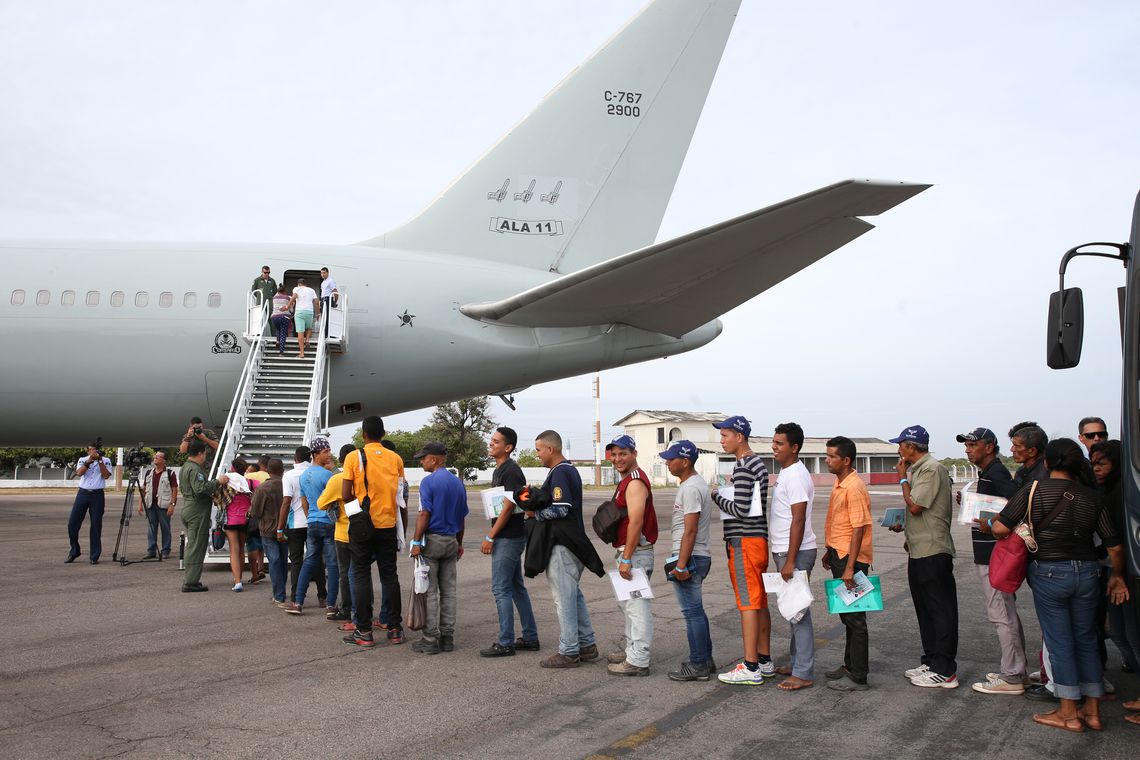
x=913 y=434
x=737 y=423
x=622 y=442
x=680 y=449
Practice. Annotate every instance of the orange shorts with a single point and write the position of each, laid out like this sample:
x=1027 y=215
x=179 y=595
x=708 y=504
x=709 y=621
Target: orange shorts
x=747 y=559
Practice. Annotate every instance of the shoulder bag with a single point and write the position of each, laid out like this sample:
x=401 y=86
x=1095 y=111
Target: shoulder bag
x=1010 y=558
x=360 y=527
x=607 y=519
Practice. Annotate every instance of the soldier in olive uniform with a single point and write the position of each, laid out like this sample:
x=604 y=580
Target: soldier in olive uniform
x=198 y=432
x=197 y=494
x=267 y=286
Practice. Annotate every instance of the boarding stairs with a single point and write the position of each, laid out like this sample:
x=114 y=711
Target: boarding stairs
x=282 y=400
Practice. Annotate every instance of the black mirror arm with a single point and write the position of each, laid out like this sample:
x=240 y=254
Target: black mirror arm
x=1123 y=254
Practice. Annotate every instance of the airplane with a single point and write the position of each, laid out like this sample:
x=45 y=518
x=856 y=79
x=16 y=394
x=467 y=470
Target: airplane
x=101 y=342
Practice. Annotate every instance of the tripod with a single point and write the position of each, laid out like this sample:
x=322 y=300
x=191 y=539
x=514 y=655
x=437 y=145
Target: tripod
x=125 y=521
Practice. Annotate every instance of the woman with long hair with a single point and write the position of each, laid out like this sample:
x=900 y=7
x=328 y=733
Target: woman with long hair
x=237 y=516
x=1064 y=511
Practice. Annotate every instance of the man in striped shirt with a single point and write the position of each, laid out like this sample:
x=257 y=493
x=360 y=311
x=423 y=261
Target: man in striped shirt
x=746 y=539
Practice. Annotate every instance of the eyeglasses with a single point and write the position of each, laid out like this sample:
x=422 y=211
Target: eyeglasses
x=1096 y=434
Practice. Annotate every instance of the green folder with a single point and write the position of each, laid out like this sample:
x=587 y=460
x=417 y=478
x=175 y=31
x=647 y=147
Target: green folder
x=872 y=602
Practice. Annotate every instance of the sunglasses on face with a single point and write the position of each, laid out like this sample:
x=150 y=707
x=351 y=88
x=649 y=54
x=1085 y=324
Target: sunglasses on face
x=1097 y=434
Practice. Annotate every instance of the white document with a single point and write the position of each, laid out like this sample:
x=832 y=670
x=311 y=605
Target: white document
x=493 y=502
x=636 y=588
x=863 y=586
x=728 y=493
x=792 y=597
x=238 y=482
x=974 y=503
x=352 y=508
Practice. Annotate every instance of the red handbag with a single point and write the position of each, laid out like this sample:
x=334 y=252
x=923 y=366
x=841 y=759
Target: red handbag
x=1010 y=558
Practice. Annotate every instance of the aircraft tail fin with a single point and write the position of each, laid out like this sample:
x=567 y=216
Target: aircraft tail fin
x=587 y=175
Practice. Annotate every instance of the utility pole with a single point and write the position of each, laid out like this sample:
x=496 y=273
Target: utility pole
x=598 y=429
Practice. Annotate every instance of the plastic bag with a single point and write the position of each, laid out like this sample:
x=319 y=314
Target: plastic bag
x=416 y=616
x=793 y=598
x=421 y=575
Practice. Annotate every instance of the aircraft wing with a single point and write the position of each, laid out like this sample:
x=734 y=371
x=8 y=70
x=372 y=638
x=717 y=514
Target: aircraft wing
x=679 y=285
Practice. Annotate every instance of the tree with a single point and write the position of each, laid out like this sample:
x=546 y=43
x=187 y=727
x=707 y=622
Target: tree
x=529 y=458
x=463 y=427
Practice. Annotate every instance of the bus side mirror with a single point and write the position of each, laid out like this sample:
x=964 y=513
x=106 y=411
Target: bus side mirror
x=1066 y=328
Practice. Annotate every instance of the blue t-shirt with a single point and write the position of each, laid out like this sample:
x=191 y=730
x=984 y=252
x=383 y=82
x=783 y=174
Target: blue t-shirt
x=444 y=497
x=313 y=481
x=564 y=484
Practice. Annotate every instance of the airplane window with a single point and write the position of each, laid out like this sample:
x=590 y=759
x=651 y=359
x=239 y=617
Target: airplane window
x=190 y=300
x=17 y=298
x=142 y=298
x=43 y=298
x=214 y=300
x=92 y=297
x=67 y=298
x=117 y=297
x=165 y=300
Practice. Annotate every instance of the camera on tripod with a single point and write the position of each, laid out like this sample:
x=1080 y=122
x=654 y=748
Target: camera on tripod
x=137 y=458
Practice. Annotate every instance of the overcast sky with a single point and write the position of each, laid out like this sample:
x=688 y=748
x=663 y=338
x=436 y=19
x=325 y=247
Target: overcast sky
x=332 y=122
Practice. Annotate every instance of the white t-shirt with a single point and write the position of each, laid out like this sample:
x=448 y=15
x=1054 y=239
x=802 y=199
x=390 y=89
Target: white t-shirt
x=305 y=297
x=793 y=486
x=291 y=486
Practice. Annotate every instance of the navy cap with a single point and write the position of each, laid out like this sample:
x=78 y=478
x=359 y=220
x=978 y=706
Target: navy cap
x=433 y=447
x=913 y=434
x=737 y=423
x=622 y=442
x=977 y=434
x=681 y=449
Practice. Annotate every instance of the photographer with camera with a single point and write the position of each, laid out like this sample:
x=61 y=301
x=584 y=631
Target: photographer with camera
x=159 y=490
x=196 y=432
x=198 y=490
x=93 y=471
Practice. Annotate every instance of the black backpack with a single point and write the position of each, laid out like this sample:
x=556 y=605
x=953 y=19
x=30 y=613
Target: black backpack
x=607 y=519
x=360 y=527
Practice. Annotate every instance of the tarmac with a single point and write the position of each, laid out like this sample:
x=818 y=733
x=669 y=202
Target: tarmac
x=102 y=661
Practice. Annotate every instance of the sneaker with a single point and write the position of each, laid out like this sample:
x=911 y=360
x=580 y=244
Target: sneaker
x=360 y=638
x=921 y=670
x=497 y=650
x=623 y=668
x=280 y=603
x=165 y=553
x=523 y=645
x=237 y=587
x=588 y=654
x=1040 y=693
x=846 y=684
x=998 y=685
x=395 y=636
x=292 y=608
x=150 y=555
x=768 y=669
x=615 y=657
x=1109 y=689
x=1034 y=677
x=838 y=673
x=742 y=675
x=426 y=646
x=561 y=661
x=348 y=627
x=194 y=587
x=932 y=680
x=339 y=616
x=690 y=672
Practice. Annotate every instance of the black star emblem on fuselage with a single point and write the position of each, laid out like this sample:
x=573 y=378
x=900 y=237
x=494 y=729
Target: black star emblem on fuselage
x=406 y=318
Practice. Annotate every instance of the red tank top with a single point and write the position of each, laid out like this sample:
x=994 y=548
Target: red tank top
x=649 y=525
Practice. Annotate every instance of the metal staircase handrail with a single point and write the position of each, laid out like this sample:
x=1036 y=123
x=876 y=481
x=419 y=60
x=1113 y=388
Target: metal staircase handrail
x=313 y=416
x=233 y=428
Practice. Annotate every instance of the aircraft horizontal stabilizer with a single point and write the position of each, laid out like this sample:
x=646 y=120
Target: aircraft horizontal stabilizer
x=679 y=285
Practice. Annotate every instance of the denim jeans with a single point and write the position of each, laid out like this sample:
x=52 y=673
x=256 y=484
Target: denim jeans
x=298 y=542
x=1065 y=595
x=280 y=326
x=692 y=606
x=277 y=560
x=510 y=591
x=1123 y=632
x=87 y=501
x=319 y=544
x=639 y=615
x=803 y=634
x=563 y=574
x=347 y=582
x=156 y=519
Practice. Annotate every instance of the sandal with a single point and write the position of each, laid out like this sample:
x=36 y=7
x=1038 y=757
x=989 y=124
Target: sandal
x=1132 y=704
x=1056 y=721
x=1133 y=719
x=794 y=684
x=784 y=670
x=1092 y=722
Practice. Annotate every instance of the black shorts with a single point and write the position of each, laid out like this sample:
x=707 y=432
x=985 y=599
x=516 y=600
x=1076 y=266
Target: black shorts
x=239 y=528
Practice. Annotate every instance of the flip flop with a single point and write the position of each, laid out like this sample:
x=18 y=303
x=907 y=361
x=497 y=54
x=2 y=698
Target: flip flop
x=794 y=685
x=1133 y=719
x=1067 y=724
x=1132 y=704
x=783 y=670
x=1091 y=723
